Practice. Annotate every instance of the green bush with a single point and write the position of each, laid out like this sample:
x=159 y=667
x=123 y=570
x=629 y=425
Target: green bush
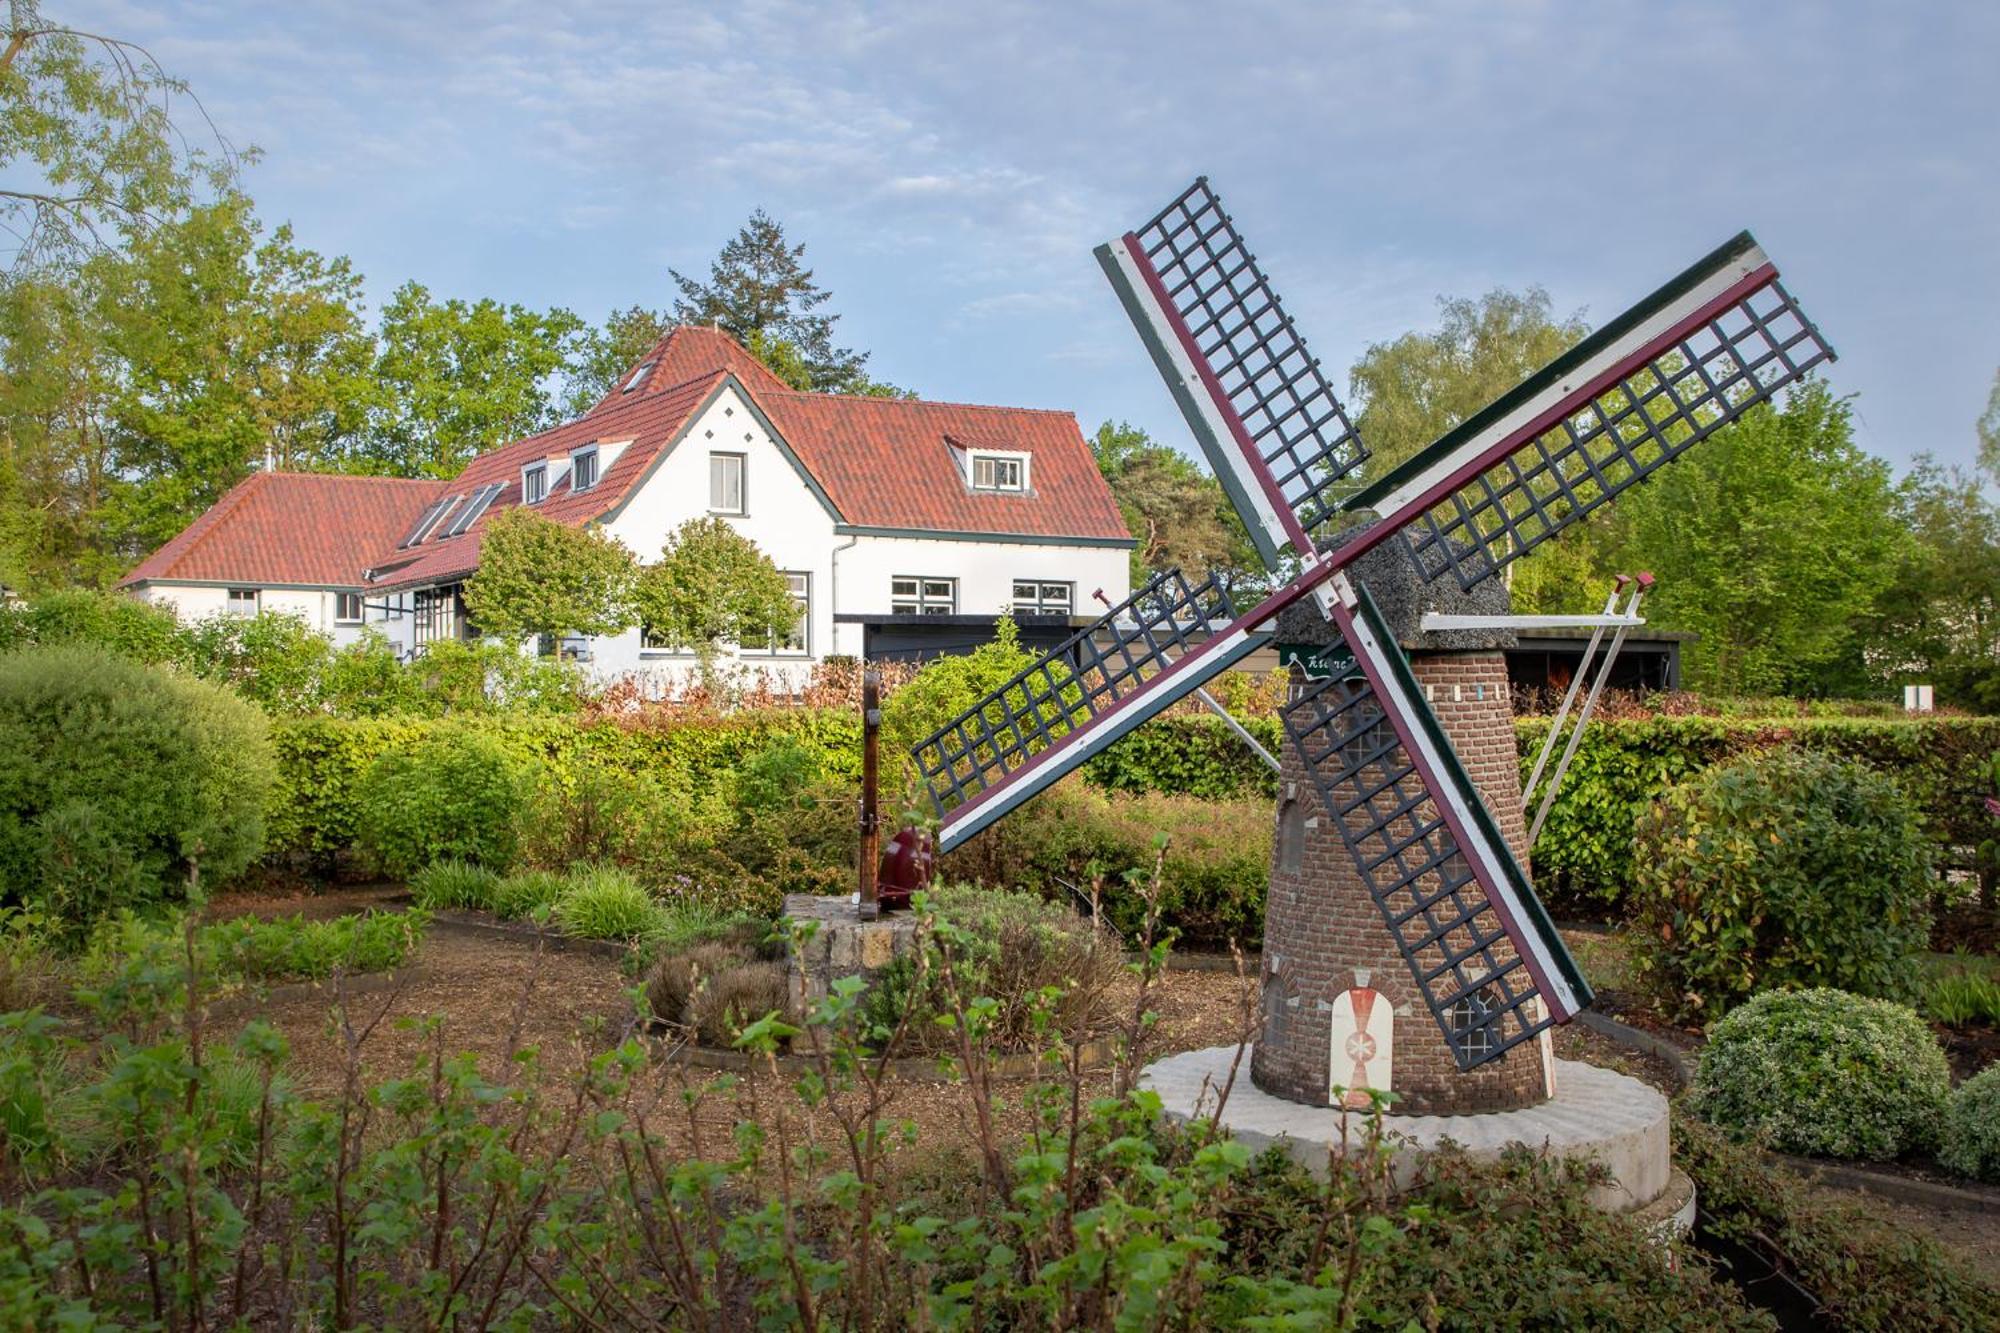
x=116 y=778
x=81 y=619
x=458 y=793
x=525 y=893
x=445 y=885
x=1781 y=869
x=1824 y=1073
x=1867 y=1271
x=1971 y=1140
x=1217 y=867
x=294 y=949
x=606 y=903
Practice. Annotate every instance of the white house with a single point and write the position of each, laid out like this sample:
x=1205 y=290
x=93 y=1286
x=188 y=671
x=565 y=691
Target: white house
x=906 y=527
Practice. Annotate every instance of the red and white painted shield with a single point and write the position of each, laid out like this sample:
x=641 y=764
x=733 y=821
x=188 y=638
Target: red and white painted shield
x=1364 y=1033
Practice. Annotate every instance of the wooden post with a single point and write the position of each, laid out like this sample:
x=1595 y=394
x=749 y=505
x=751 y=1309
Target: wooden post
x=871 y=727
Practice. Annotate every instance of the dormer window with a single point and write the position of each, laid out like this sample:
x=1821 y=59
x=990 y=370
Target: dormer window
x=999 y=472
x=535 y=484
x=583 y=468
x=638 y=377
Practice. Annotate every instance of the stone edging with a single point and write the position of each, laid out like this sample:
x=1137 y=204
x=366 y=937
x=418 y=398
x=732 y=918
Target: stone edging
x=1904 y=1189
x=905 y=1068
x=469 y=923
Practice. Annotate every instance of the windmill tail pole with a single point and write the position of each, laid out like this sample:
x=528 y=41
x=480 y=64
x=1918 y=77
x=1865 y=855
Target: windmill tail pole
x=1242 y=732
x=1569 y=695
x=1641 y=584
x=871 y=735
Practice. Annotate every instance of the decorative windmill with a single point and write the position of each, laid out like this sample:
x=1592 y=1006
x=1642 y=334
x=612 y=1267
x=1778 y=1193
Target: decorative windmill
x=1422 y=871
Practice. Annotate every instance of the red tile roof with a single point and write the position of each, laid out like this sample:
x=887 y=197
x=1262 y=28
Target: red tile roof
x=880 y=462
x=299 y=529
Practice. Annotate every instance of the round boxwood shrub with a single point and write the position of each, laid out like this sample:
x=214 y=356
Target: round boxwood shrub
x=1971 y=1144
x=1824 y=1073
x=458 y=793
x=1781 y=869
x=115 y=778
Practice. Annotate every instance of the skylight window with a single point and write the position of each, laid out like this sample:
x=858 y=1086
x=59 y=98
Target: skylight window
x=639 y=377
x=474 y=507
x=429 y=520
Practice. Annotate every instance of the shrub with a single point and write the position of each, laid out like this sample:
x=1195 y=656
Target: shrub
x=606 y=903
x=1020 y=951
x=1866 y=1271
x=1971 y=1141
x=1217 y=868
x=116 y=778
x=443 y=885
x=526 y=892
x=108 y=621
x=457 y=793
x=1824 y=1073
x=714 y=989
x=1783 y=869
x=294 y=949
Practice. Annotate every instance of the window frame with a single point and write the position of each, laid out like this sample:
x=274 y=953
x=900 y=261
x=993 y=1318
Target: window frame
x=638 y=378
x=1039 y=604
x=535 y=470
x=997 y=458
x=231 y=597
x=802 y=598
x=360 y=615
x=742 y=461
x=922 y=601
x=576 y=456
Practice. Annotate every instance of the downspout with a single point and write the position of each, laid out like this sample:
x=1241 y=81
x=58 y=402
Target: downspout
x=833 y=594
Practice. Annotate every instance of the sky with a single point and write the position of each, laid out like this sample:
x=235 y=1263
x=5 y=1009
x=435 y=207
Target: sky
x=950 y=166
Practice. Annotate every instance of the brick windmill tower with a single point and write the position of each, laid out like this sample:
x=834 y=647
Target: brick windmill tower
x=1404 y=949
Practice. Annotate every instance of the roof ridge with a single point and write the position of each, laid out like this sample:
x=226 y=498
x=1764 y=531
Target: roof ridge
x=923 y=402
x=342 y=476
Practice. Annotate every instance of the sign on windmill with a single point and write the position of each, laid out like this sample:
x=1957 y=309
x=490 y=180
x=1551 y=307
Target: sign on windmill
x=1425 y=875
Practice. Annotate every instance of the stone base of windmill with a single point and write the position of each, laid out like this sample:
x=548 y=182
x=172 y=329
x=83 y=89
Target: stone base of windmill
x=1596 y=1114
x=842 y=944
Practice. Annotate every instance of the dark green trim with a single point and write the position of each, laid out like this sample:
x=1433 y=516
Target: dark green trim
x=1673 y=289
x=245 y=583
x=729 y=380
x=1218 y=461
x=1538 y=916
x=1011 y=538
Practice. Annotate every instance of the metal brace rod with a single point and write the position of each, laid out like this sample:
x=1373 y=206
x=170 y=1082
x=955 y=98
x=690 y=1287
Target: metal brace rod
x=1436 y=620
x=1569 y=695
x=1642 y=583
x=1242 y=733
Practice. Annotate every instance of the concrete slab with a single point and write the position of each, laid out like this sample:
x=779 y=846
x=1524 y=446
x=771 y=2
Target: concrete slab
x=1614 y=1118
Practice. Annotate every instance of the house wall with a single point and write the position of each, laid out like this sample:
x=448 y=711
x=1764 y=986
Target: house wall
x=198 y=601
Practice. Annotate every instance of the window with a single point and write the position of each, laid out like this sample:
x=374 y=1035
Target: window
x=653 y=642
x=1292 y=836
x=791 y=640
x=583 y=469
x=474 y=507
x=347 y=608
x=638 y=377
x=242 y=601
x=725 y=483
x=1035 y=597
x=923 y=596
x=999 y=472
x=429 y=519
x=439 y=613
x=535 y=484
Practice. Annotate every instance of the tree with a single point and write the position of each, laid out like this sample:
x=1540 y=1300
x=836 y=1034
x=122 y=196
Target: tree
x=88 y=141
x=538 y=577
x=460 y=377
x=1938 y=620
x=604 y=355
x=1414 y=389
x=1989 y=432
x=1178 y=513
x=760 y=293
x=713 y=586
x=1774 y=540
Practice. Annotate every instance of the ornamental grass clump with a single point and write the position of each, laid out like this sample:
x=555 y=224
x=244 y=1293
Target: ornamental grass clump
x=1971 y=1142
x=1784 y=869
x=449 y=884
x=606 y=903
x=1824 y=1073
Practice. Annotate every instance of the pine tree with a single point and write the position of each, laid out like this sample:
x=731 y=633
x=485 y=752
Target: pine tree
x=760 y=292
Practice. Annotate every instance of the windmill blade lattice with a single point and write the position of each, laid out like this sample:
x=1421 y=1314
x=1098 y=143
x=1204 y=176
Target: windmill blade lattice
x=1094 y=687
x=1490 y=978
x=1694 y=357
x=1275 y=432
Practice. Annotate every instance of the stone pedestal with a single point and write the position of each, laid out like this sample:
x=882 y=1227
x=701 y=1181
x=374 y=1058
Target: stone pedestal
x=843 y=945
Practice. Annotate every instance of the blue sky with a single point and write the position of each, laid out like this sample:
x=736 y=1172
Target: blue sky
x=950 y=166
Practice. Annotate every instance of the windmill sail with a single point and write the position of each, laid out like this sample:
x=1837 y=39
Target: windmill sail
x=1479 y=946
x=1153 y=649
x=1694 y=356
x=1277 y=437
